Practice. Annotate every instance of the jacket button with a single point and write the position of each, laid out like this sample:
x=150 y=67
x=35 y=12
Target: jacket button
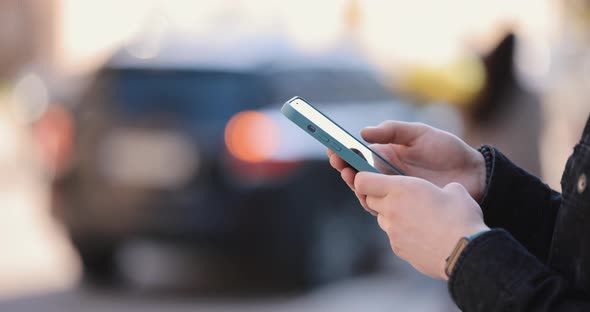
x=582 y=182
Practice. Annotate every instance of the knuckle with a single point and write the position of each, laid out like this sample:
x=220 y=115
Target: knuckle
x=383 y=223
x=391 y=210
x=420 y=125
x=358 y=180
x=423 y=128
x=396 y=249
x=356 y=183
x=343 y=175
x=362 y=200
x=454 y=187
x=369 y=201
x=387 y=123
x=455 y=184
x=379 y=148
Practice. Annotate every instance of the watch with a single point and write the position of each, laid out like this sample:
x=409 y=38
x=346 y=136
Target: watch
x=459 y=247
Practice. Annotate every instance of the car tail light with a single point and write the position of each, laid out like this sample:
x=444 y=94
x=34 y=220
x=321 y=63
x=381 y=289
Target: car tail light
x=252 y=138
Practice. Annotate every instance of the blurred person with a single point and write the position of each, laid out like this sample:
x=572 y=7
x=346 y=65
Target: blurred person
x=36 y=255
x=487 y=90
x=502 y=238
x=496 y=115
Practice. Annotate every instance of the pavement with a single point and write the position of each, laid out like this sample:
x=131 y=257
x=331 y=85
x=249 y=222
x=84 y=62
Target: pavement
x=402 y=290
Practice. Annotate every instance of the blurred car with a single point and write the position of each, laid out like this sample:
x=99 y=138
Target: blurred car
x=185 y=175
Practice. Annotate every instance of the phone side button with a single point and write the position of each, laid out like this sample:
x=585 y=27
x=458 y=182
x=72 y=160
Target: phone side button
x=323 y=137
x=335 y=147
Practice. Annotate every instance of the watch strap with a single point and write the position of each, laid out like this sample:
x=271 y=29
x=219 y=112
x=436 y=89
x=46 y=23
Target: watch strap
x=456 y=253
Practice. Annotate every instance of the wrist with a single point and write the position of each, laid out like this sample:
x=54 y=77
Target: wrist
x=476 y=229
x=479 y=176
x=487 y=152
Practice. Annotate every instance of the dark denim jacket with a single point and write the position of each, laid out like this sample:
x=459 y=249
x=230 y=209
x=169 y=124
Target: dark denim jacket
x=537 y=258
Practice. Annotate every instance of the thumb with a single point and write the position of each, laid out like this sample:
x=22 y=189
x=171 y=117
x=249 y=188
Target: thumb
x=395 y=132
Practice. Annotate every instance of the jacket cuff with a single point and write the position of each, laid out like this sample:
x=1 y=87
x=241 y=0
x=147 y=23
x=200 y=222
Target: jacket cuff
x=519 y=202
x=487 y=151
x=488 y=269
x=505 y=180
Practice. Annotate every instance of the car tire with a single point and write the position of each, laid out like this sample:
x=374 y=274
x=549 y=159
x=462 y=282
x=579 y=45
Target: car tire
x=98 y=261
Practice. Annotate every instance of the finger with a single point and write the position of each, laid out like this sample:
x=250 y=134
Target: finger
x=330 y=152
x=381 y=185
x=372 y=184
x=383 y=222
x=372 y=212
x=396 y=132
x=390 y=152
x=373 y=204
x=381 y=149
x=338 y=163
x=348 y=174
x=363 y=201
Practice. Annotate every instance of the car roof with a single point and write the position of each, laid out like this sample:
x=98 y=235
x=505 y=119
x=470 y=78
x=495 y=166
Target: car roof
x=266 y=53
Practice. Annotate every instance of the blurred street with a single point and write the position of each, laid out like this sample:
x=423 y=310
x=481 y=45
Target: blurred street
x=147 y=166
x=403 y=290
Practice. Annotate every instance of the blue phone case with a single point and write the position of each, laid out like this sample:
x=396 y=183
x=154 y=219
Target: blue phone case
x=330 y=142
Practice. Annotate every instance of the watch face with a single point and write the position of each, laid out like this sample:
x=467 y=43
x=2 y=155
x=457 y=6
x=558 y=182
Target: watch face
x=452 y=260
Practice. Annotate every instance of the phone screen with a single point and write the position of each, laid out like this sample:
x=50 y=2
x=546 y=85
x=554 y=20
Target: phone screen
x=344 y=137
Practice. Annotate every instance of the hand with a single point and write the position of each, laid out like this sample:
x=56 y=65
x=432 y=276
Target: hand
x=423 y=222
x=425 y=152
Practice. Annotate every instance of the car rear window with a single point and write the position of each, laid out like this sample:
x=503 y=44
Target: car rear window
x=197 y=95
x=327 y=86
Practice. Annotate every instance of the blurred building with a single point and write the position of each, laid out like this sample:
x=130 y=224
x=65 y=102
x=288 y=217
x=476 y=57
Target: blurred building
x=36 y=256
x=26 y=34
x=566 y=99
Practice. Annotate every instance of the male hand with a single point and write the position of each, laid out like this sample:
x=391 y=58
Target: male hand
x=423 y=222
x=422 y=151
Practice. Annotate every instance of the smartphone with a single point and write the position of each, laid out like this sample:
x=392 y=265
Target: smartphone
x=357 y=154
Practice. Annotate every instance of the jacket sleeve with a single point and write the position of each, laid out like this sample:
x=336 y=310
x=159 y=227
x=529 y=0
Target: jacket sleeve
x=496 y=273
x=520 y=203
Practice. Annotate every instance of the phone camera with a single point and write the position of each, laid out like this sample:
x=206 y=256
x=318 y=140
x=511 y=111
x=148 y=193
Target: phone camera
x=311 y=128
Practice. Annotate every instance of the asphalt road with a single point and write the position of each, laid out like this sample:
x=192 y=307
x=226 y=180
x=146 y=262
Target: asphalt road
x=401 y=290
